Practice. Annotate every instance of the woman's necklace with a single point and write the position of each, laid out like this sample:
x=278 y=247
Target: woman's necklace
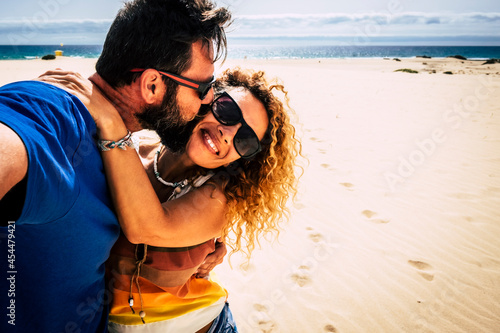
x=178 y=186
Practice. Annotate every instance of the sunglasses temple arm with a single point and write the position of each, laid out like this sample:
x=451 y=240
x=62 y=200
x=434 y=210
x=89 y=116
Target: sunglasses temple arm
x=182 y=81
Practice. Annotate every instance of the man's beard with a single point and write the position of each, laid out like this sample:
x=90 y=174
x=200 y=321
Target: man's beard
x=166 y=120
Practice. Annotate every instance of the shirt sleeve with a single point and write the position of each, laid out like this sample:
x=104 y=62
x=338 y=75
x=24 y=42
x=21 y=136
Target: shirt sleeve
x=44 y=118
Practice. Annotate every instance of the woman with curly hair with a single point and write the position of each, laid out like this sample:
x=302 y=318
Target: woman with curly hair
x=229 y=185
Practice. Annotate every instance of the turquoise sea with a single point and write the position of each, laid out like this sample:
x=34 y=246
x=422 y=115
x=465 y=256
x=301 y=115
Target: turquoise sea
x=264 y=48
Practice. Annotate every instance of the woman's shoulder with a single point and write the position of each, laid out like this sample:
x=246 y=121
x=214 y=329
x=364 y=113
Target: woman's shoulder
x=148 y=141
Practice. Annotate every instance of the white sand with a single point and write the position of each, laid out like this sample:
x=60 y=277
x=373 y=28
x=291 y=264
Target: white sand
x=396 y=227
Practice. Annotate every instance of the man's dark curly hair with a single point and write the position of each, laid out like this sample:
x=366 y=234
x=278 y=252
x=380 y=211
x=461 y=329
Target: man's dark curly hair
x=159 y=34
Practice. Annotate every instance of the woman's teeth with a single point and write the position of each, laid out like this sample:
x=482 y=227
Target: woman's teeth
x=211 y=143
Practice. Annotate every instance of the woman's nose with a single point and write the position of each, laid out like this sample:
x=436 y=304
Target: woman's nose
x=227 y=133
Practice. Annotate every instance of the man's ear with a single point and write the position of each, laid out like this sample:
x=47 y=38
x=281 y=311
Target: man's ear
x=152 y=87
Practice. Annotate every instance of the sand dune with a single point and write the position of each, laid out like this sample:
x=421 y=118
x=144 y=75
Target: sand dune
x=397 y=223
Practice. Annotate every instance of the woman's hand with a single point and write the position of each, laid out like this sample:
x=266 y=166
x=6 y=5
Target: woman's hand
x=102 y=110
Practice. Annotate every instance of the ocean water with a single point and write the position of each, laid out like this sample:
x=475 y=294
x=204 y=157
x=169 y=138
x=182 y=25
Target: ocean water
x=332 y=51
x=11 y=52
x=254 y=48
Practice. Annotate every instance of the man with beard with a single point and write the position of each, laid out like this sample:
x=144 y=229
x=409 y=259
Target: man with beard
x=57 y=220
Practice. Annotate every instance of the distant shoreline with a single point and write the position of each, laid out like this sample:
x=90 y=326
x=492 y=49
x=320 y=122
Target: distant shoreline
x=262 y=49
x=276 y=58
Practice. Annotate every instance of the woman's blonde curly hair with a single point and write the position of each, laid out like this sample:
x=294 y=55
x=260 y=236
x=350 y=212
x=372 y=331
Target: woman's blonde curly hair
x=257 y=189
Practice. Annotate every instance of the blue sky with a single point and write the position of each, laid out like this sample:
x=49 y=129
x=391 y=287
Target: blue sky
x=399 y=21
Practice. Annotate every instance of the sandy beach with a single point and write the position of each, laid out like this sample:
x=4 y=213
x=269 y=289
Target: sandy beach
x=397 y=223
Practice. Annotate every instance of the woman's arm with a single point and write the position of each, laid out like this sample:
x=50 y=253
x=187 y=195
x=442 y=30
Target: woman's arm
x=189 y=220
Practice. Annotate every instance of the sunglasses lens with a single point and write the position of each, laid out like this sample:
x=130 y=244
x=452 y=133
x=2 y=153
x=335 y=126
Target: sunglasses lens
x=226 y=111
x=246 y=142
x=204 y=93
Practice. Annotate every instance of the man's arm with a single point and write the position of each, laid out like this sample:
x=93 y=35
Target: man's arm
x=13 y=159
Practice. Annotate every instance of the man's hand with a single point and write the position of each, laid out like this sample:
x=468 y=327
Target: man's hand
x=213 y=259
x=72 y=82
x=101 y=109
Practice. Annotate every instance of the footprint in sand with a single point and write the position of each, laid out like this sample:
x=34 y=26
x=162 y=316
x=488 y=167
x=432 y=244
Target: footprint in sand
x=248 y=271
x=327 y=167
x=266 y=326
x=316 y=237
x=330 y=328
x=423 y=268
x=262 y=320
x=349 y=186
x=372 y=216
x=299 y=206
x=260 y=307
x=368 y=213
x=381 y=221
x=301 y=277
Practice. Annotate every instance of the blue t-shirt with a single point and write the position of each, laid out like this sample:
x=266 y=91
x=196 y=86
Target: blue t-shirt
x=52 y=271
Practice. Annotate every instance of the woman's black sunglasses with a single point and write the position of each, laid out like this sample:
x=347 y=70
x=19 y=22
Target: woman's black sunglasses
x=227 y=112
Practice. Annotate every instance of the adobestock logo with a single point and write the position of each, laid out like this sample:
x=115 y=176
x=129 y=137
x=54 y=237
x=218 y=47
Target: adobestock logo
x=452 y=118
x=407 y=165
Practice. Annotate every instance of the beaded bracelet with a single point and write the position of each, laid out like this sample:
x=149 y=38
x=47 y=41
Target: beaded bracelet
x=123 y=143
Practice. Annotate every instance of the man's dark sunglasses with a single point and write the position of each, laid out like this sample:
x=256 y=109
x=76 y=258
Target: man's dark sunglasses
x=201 y=87
x=227 y=112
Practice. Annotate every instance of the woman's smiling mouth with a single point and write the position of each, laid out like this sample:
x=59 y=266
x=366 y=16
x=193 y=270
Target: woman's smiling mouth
x=210 y=142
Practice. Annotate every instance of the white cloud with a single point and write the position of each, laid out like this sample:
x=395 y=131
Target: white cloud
x=33 y=31
x=345 y=24
x=39 y=28
x=55 y=26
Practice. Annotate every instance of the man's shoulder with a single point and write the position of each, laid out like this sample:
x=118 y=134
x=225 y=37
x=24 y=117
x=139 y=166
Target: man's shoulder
x=46 y=118
x=33 y=92
x=29 y=84
x=39 y=101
